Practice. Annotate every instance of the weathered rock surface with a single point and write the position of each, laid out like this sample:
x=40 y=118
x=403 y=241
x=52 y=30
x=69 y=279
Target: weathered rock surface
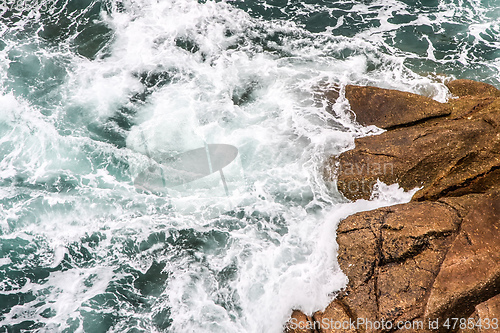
x=490 y=310
x=448 y=156
x=470 y=274
x=335 y=319
x=463 y=87
x=485 y=319
x=299 y=323
x=419 y=262
x=382 y=107
x=437 y=257
x=394 y=268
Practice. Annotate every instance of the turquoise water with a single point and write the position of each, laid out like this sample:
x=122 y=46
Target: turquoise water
x=92 y=93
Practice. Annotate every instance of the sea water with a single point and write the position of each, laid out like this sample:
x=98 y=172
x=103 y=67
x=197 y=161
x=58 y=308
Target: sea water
x=95 y=92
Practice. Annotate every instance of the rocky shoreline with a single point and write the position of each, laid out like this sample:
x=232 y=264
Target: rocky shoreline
x=438 y=256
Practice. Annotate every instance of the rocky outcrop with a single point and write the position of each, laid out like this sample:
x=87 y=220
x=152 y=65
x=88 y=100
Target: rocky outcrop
x=484 y=319
x=447 y=156
x=392 y=259
x=335 y=318
x=462 y=88
x=470 y=274
x=382 y=107
x=416 y=264
x=421 y=261
x=438 y=257
x=299 y=323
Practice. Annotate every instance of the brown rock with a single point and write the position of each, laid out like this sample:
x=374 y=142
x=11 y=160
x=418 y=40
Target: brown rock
x=420 y=261
x=362 y=304
x=388 y=108
x=490 y=310
x=470 y=329
x=469 y=105
x=335 y=319
x=299 y=323
x=425 y=260
x=485 y=319
x=402 y=288
x=391 y=257
x=480 y=184
x=470 y=274
x=447 y=158
x=464 y=87
x=359 y=262
x=429 y=220
x=411 y=262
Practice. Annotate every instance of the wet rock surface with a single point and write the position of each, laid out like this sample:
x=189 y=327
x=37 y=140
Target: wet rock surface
x=470 y=273
x=382 y=107
x=447 y=156
x=299 y=323
x=438 y=256
x=395 y=269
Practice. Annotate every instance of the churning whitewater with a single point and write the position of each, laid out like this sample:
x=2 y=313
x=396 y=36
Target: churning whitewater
x=97 y=95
